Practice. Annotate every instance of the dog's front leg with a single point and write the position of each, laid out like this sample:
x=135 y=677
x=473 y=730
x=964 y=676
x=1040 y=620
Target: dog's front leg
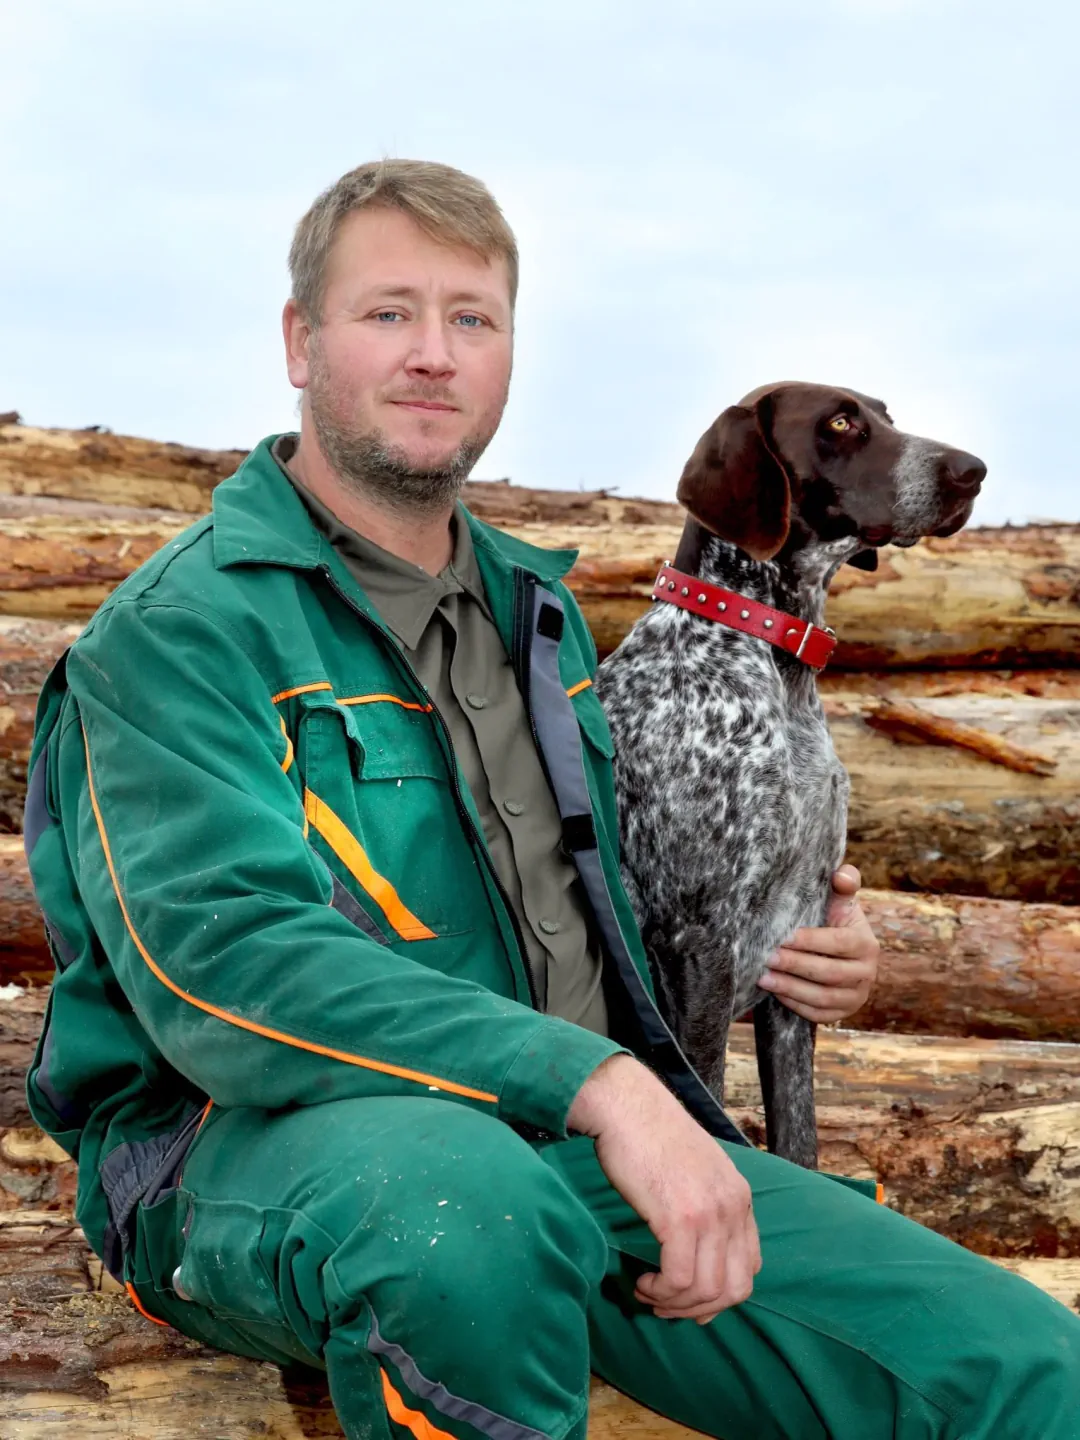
x=695 y=990
x=785 y=1060
x=704 y=998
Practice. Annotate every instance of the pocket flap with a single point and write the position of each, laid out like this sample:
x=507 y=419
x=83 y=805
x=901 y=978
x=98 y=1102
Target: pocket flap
x=593 y=721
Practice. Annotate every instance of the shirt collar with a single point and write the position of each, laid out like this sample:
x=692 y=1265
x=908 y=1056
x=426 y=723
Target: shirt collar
x=406 y=595
x=260 y=519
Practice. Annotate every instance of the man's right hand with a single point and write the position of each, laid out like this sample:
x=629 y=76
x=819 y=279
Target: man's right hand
x=678 y=1179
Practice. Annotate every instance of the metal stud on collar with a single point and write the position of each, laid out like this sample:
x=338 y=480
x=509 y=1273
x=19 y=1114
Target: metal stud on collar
x=684 y=591
x=721 y=604
x=744 y=614
x=701 y=599
x=768 y=623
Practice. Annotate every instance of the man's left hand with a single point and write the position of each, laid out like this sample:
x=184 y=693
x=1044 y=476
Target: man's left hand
x=825 y=973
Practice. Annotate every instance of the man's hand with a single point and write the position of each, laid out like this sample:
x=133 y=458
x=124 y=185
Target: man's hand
x=678 y=1179
x=826 y=973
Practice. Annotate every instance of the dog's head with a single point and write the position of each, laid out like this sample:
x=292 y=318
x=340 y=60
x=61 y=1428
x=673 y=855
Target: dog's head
x=833 y=459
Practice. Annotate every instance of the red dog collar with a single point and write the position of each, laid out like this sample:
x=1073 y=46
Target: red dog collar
x=812 y=644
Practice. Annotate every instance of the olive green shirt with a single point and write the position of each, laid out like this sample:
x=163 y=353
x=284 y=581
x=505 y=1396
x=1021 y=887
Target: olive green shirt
x=449 y=637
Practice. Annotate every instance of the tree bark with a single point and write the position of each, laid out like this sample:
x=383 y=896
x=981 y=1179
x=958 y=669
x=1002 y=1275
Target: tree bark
x=986 y=597
x=955 y=965
x=923 y=816
x=950 y=964
x=21 y=1018
x=977 y=1139
x=96 y=468
x=28 y=650
x=94 y=465
x=942 y=818
x=24 y=951
x=59 y=566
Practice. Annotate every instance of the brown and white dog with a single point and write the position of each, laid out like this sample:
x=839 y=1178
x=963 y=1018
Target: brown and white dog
x=732 y=801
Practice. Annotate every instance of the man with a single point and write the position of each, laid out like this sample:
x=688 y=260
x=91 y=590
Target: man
x=352 y=1034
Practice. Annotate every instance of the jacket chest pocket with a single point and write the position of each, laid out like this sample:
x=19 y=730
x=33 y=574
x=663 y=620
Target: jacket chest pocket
x=380 y=809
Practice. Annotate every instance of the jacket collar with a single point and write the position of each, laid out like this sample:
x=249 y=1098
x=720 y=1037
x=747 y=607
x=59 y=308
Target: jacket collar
x=259 y=519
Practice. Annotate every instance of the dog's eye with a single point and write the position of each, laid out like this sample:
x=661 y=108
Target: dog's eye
x=840 y=423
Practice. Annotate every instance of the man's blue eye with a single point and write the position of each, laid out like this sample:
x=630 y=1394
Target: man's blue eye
x=387 y=315
x=471 y=322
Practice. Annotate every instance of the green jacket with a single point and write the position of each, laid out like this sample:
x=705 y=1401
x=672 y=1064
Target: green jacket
x=262 y=874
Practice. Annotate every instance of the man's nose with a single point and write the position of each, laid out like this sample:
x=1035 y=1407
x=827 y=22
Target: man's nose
x=965 y=472
x=430 y=354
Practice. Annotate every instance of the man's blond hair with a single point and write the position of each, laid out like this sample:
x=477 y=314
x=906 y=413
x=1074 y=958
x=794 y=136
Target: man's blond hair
x=450 y=206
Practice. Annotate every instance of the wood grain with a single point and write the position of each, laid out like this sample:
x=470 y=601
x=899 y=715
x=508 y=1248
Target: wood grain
x=990 y=596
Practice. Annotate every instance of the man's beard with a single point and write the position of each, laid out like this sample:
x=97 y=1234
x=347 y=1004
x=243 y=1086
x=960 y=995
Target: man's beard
x=369 y=465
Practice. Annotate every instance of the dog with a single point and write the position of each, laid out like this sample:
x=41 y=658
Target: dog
x=732 y=802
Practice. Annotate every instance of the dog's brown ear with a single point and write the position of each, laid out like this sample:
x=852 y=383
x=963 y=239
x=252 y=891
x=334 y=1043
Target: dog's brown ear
x=864 y=560
x=733 y=485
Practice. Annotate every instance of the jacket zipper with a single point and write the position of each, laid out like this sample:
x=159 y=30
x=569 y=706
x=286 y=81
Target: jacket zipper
x=459 y=800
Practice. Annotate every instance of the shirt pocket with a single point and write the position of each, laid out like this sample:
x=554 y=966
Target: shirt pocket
x=380 y=810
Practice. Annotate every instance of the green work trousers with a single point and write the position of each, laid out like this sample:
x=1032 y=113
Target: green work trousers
x=454 y=1280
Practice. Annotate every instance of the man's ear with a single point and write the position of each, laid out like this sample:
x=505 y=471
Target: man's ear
x=734 y=486
x=864 y=560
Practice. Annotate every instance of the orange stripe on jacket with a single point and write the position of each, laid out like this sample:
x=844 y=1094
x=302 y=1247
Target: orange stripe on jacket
x=287 y=762
x=230 y=1019
x=393 y=699
x=413 y=1420
x=300 y=690
x=353 y=855
x=581 y=685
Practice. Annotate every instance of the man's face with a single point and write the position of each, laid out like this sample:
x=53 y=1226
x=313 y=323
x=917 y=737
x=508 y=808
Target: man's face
x=409 y=370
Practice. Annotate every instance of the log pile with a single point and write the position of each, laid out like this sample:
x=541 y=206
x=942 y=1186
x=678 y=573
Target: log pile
x=953 y=700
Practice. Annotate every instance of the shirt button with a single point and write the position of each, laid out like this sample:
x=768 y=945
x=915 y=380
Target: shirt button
x=476 y=701
x=513 y=807
x=549 y=927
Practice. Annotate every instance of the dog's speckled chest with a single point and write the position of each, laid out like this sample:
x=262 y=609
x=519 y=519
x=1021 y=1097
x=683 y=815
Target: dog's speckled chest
x=732 y=801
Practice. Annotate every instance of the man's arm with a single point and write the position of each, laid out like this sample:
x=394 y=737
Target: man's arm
x=681 y=1183
x=189 y=842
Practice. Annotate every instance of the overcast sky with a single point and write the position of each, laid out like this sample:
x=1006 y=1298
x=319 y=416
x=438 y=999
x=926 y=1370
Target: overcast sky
x=707 y=196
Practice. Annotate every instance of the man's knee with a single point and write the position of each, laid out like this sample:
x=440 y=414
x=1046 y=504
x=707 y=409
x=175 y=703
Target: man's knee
x=456 y=1201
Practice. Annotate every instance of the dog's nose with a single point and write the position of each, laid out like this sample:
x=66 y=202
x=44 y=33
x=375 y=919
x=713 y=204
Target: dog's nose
x=965 y=472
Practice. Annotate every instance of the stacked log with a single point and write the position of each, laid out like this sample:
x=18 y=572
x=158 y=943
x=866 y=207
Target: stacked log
x=950 y=964
x=953 y=698
x=954 y=702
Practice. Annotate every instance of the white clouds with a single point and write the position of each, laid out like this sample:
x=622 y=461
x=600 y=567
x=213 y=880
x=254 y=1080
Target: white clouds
x=706 y=195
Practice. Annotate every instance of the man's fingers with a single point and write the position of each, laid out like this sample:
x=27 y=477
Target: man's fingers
x=701 y=1313
x=841 y=998
x=727 y=1256
x=820 y=969
x=732 y=1266
x=847 y=942
x=678 y=1267
x=846 y=880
